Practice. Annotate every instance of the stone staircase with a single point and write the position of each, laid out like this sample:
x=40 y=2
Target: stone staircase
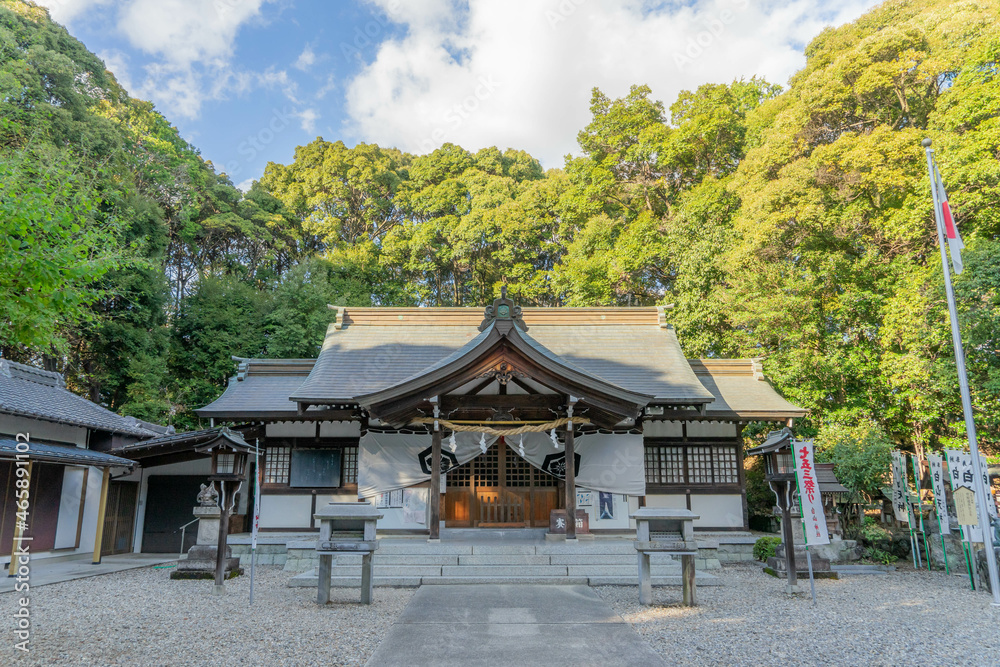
x=415 y=562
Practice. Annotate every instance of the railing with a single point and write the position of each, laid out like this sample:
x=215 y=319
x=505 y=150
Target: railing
x=496 y=509
x=183 y=529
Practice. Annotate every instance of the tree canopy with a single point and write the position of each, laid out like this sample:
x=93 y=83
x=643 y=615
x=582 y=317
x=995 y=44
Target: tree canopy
x=793 y=224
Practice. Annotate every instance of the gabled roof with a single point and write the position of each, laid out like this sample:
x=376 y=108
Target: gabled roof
x=27 y=391
x=369 y=349
x=504 y=345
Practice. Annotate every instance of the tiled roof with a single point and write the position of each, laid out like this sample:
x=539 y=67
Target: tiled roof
x=64 y=454
x=261 y=387
x=741 y=390
x=27 y=391
x=369 y=349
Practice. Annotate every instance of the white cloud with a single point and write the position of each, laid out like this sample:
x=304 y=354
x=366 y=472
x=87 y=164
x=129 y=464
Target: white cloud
x=307 y=119
x=519 y=73
x=306 y=59
x=191 y=42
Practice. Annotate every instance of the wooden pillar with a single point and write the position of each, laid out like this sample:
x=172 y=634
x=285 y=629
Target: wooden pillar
x=323 y=585
x=570 y=477
x=220 y=557
x=687 y=574
x=435 y=495
x=102 y=510
x=19 y=527
x=788 y=538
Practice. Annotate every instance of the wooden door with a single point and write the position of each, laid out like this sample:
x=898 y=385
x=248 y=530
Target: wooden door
x=499 y=489
x=119 y=519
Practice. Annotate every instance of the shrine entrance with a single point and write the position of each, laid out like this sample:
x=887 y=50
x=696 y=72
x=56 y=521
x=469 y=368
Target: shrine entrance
x=499 y=489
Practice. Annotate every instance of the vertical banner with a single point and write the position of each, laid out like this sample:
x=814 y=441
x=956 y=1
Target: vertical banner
x=991 y=502
x=936 y=466
x=899 y=504
x=813 y=518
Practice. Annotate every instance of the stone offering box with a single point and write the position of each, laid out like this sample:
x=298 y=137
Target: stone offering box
x=670 y=531
x=346 y=528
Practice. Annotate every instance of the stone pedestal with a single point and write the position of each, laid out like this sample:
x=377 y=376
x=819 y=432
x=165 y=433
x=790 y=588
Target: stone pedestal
x=821 y=566
x=201 y=558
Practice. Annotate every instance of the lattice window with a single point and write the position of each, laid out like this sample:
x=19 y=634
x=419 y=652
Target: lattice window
x=664 y=465
x=699 y=465
x=461 y=476
x=518 y=470
x=350 y=469
x=692 y=464
x=276 y=464
x=543 y=479
x=488 y=468
x=724 y=461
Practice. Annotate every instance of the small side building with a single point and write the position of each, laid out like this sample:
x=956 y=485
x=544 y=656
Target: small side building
x=68 y=442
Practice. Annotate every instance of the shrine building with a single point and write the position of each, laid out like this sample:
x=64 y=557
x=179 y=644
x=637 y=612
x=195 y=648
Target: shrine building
x=487 y=409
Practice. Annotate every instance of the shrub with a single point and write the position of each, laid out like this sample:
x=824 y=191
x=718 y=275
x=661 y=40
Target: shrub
x=764 y=547
x=878 y=556
x=872 y=532
x=861 y=455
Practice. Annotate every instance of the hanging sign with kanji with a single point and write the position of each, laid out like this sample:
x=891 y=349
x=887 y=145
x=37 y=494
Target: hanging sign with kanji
x=936 y=466
x=813 y=518
x=899 y=504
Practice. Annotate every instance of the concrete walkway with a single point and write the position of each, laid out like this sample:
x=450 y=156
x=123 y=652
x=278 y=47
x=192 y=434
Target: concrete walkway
x=511 y=625
x=54 y=570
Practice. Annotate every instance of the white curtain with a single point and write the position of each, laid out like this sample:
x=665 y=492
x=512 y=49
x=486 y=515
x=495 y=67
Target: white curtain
x=390 y=461
x=608 y=462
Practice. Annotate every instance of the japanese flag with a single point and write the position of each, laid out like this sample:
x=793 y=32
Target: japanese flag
x=954 y=239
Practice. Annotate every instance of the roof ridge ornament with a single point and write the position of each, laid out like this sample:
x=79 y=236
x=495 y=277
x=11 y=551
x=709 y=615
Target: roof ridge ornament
x=503 y=310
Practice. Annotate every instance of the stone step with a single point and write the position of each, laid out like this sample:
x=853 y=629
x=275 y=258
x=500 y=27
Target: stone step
x=519 y=559
x=504 y=571
x=503 y=549
x=388 y=570
x=423 y=547
x=311 y=580
x=620 y=547
x=400 y=559
x=622 y=570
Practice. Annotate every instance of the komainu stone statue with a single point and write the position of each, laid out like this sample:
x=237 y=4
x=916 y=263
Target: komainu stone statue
x=208 y=497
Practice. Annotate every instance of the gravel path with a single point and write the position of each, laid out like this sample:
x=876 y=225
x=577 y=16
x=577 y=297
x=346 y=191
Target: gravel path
x=903 y=618
x=141 y=617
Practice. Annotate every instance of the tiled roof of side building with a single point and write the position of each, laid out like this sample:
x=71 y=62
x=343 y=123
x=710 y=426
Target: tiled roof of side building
x=368 y=349
x=31 y=392
x=741 y=390
x=260 y=389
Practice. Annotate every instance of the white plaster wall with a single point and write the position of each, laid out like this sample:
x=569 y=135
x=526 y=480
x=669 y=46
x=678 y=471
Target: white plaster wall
x=69 y=507
x=285 y=511
x=197 y=467
x=711 y=430
x=42 y=430
x=340 y=430
x=673 y=501
x=291 y=430
x=662 y=429
x=718 y=511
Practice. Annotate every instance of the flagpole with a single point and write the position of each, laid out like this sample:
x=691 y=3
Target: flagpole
x=963 y=380
x=920 y=507
x=256 y=513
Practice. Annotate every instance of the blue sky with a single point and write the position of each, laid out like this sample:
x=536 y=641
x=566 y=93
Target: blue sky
x=246 y=81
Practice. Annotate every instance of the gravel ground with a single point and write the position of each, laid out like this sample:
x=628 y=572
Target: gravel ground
x=903 y=618
x=141 y=617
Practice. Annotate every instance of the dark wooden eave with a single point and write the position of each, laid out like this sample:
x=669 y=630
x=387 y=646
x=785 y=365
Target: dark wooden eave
x=504 y=343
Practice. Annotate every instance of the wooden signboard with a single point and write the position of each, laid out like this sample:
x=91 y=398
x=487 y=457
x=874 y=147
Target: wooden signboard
x=965 y=505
